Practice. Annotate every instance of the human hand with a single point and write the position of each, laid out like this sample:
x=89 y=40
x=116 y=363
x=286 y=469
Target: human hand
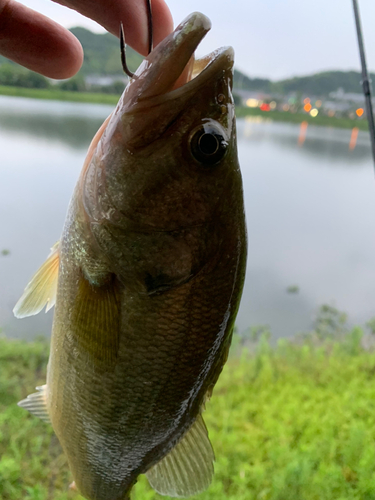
x=38 y=43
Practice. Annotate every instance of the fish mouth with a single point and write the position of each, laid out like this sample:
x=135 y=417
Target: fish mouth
x=170 y=69
x=204 y=69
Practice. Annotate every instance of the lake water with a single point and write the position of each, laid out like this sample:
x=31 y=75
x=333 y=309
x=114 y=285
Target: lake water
x=310 y=212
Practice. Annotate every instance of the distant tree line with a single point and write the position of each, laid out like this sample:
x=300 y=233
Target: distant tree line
x=319 y=84
x=102 y=53
x=16 y=76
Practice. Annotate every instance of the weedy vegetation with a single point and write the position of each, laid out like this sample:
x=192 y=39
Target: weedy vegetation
x=289 y=421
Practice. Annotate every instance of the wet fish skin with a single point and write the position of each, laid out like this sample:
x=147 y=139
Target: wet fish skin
x=152 y=262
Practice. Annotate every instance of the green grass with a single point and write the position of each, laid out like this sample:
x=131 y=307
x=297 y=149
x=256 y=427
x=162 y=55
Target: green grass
x=59 y=95
x=321 y=120
x=296 y=422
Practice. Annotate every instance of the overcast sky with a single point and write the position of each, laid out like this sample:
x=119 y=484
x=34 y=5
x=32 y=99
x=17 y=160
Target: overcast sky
x=272 y=38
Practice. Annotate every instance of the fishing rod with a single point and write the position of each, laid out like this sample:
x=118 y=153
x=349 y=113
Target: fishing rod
x=366 y=82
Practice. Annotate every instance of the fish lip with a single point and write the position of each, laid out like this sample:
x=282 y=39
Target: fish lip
x=222 y=59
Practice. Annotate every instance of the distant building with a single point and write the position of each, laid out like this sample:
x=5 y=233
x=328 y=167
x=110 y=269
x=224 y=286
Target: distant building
x=340 y=106
x=341 y=95
x=106 y=80
x=352 y=97
x=245 y=95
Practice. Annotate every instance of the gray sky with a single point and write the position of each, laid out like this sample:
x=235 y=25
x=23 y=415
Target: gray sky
x=272 y=38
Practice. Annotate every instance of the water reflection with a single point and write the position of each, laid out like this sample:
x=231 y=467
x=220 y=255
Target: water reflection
x=319 y=142
x=74 y=131
x=73 y=124
x=309 y=212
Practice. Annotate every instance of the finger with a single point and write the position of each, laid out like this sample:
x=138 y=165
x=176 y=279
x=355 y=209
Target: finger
x=36 y=42
x=132 y=13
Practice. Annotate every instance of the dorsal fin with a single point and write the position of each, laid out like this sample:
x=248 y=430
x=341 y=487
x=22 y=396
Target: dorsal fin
x=42 y=288
x=188 y=467
x=36 y=404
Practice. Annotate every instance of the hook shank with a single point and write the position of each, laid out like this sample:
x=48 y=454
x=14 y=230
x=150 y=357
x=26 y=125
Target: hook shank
x=123 y=43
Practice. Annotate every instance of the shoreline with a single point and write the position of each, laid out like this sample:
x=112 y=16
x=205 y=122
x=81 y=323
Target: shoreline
x=241 y=112
x=321 y=121
x=59 y=95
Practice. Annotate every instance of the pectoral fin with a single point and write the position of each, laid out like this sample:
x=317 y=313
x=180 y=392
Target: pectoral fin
x=188 y=467
x=95 y=320
x=42 y=288
x=37 y=404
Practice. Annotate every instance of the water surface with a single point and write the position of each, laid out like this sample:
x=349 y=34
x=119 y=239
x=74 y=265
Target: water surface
x=310 y=212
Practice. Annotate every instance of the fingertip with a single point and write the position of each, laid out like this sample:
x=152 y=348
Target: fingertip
x=162 y=20
x=132 y=13
x=34 y=41
x=68 y=57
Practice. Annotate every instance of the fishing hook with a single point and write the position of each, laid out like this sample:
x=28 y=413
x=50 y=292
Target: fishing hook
x=123 y=44
x=150 y=27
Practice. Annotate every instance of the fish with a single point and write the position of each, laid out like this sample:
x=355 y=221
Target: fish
x=146 y=279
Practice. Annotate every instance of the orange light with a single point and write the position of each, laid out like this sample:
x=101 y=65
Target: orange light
x=359 y=111
x=265 y=107
x=353 y=138
x=302 y=133
x=307 y=107
x=306 y=101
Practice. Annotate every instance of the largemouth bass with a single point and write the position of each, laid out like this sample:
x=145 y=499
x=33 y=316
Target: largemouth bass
x=147 y=278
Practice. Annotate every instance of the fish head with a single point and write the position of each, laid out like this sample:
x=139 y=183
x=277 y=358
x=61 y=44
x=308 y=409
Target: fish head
x=168 y=149
x=166 y=165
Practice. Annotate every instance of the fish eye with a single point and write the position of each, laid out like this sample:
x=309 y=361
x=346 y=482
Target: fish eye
x=208 y=144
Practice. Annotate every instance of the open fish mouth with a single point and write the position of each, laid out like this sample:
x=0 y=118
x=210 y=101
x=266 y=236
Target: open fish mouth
x=170 y=69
